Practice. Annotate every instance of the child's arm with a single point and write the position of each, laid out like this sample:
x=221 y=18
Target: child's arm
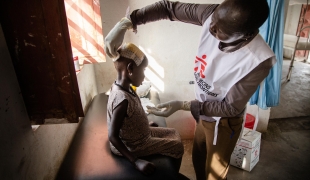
x=117 y=119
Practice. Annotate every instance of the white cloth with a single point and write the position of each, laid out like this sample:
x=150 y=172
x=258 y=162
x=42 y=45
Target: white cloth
x=131 y=51
x=146 y=102
x=217 y=71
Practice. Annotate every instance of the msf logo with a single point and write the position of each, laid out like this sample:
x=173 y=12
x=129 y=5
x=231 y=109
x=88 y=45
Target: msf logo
x=200 y=65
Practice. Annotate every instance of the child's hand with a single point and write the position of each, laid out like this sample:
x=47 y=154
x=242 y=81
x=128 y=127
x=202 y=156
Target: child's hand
x=153 y=124
x=145 y=167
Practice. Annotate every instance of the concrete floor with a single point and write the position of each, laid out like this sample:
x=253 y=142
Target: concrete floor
x=285 y=147
x=285 y=153
x=295 y=94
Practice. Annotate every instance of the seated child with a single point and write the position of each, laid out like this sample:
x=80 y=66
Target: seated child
x=129 y=132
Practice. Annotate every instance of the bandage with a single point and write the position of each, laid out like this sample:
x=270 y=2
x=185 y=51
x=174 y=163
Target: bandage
x=131 y=51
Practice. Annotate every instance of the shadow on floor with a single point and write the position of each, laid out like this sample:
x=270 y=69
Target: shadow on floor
x=285 y=153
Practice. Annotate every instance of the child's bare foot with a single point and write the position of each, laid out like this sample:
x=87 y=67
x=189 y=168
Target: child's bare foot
x=153 y=124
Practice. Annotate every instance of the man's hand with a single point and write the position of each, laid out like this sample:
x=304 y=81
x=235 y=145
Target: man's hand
x=145 y=167
x=115 y=37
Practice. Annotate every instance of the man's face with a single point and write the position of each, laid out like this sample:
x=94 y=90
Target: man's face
x=224 y=24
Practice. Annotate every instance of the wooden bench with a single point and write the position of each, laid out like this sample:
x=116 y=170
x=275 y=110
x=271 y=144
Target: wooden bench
x=89 y=155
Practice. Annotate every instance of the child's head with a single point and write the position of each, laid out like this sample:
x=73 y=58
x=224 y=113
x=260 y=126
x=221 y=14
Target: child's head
x=131 y=64
x=238 y=19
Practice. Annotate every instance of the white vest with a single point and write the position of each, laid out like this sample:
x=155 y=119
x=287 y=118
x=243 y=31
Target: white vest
x=217 y=71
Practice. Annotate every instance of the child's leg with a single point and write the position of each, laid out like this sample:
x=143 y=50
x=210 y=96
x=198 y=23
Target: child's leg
x=164 y=141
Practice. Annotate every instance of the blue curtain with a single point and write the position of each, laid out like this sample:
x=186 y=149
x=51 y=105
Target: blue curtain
x=268 y=95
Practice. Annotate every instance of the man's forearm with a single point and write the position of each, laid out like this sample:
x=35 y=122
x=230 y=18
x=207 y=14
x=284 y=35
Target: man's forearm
x=174 y=11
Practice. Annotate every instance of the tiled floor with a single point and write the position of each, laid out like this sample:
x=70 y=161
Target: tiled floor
x=285 y=153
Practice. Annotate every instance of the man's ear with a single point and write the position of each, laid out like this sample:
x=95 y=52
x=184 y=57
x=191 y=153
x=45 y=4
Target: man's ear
x=130 y=67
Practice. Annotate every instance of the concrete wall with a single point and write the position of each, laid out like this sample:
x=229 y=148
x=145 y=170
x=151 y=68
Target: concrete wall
x=291 y=23
x=87 y=84
x=292 y=18
x=105 y=74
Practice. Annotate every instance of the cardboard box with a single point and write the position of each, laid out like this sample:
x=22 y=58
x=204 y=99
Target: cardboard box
x=246 y=152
